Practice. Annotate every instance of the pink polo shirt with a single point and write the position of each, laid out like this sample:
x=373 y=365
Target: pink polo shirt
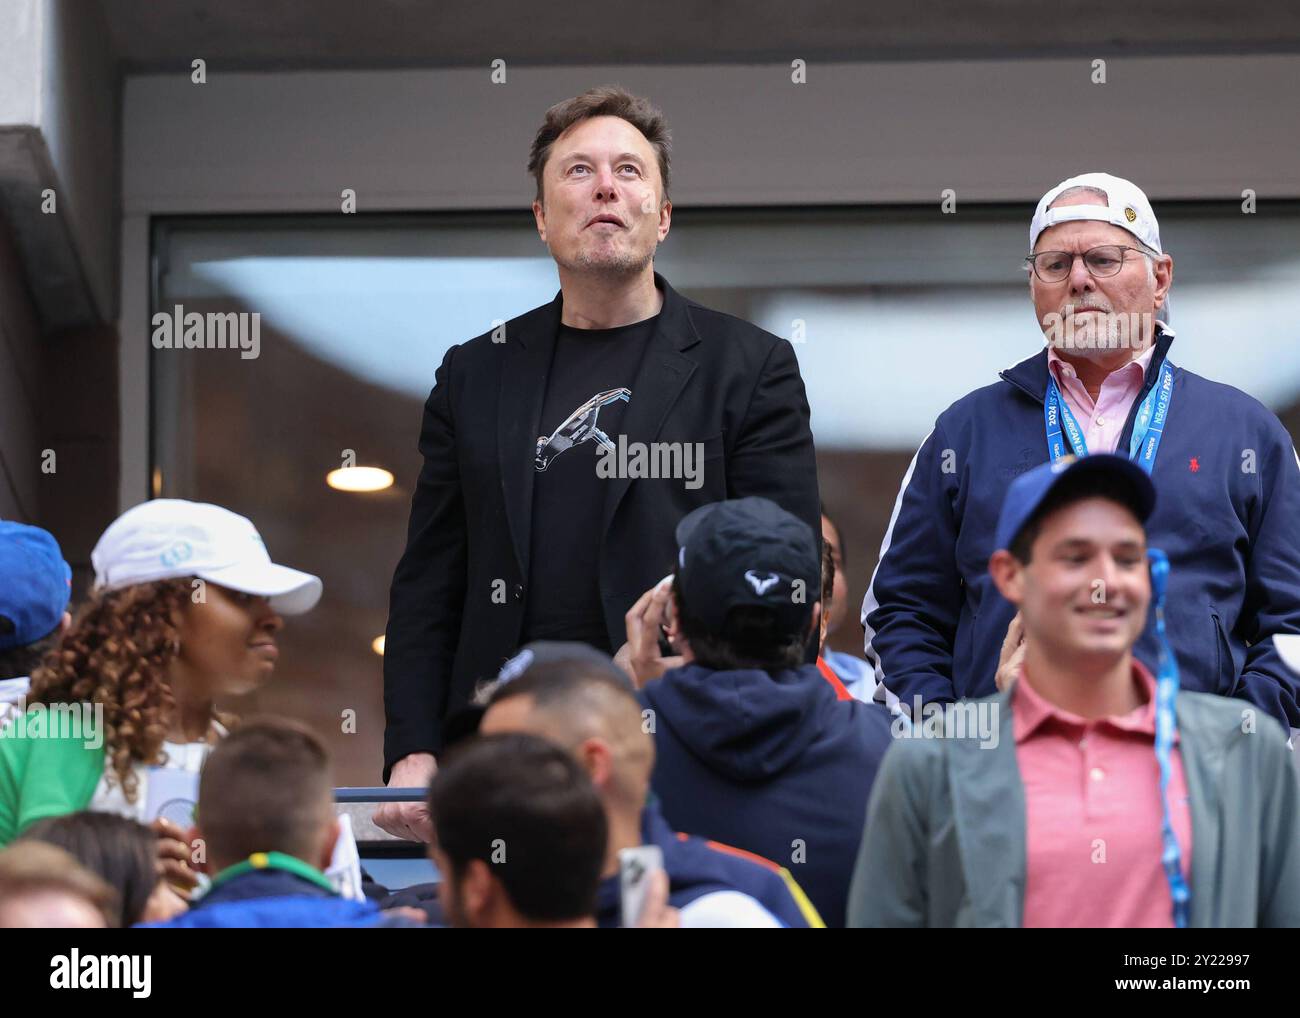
x=1103 y=420
x=1092 y=813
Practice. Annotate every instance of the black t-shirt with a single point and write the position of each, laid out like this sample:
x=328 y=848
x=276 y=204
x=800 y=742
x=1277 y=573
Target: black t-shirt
x=589 y=386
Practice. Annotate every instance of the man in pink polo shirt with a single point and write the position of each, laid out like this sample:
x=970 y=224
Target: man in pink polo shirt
x=1107 y=797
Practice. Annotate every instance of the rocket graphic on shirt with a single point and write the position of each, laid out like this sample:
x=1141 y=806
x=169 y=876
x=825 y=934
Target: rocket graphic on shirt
x=578 y=427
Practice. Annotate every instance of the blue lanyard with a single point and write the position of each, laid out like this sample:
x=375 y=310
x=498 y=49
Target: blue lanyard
x=1171 y=857
x=1148 y=425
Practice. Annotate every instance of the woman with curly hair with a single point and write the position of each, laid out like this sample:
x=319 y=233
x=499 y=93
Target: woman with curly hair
x=185 y=610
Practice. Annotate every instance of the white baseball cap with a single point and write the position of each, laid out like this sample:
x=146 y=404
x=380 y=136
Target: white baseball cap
x=1126 y=207
x=170 y=537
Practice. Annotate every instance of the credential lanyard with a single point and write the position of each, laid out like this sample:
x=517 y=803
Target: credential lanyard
x=1064 y=436
x=1171 y=857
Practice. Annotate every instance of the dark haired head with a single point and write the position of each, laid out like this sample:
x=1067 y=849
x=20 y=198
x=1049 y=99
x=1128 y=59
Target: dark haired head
x=750 y=638
x=266 y=788
x=572 y=694
x=526 y=810
x=557 y=677
x=606 y=101
x=828 y=573
x=118 y=850
x=840 y=550
x=17 y=662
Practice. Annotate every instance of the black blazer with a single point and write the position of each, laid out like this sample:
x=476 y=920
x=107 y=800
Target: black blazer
x=457 y=602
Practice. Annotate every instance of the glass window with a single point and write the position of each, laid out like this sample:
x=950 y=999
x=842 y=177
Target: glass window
x=894 y=313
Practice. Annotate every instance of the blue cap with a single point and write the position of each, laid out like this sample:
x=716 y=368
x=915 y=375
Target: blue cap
x=1028 y=491
x=35 y=584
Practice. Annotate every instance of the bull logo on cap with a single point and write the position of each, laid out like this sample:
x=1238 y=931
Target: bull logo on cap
x=763 y=585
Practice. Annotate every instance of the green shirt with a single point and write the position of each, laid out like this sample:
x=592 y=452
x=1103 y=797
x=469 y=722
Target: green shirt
x=43 y=777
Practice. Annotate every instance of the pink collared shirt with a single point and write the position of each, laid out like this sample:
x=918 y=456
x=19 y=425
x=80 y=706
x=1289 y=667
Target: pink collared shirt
x=1103 y=420
x=1092 y=813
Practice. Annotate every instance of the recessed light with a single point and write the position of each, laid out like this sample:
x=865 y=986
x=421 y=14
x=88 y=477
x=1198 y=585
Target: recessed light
x=359 y=479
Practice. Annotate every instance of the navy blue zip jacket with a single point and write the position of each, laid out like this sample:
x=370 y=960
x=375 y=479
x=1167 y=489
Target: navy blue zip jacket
x=697 y=867
x=1227 y=514
x=771 y=763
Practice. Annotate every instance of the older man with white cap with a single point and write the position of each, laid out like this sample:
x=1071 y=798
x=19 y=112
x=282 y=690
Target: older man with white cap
x=1226 y=469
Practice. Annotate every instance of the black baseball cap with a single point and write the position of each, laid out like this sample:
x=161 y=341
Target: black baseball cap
x=748 y=551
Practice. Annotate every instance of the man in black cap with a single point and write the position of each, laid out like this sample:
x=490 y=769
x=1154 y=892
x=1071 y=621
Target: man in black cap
x=574 y=696
x=753 y=746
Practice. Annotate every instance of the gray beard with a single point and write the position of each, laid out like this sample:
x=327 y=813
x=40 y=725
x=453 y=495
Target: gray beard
x=618 y=267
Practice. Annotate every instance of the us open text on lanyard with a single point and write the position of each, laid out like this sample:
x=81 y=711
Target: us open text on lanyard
x=1148 y=430
x=1148 y=425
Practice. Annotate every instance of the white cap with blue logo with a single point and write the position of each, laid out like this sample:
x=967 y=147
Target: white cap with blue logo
x=171 y=537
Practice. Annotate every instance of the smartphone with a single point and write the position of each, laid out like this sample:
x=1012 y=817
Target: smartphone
x=634 y=868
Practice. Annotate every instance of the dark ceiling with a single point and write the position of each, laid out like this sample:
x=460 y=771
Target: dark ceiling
x=151 y=36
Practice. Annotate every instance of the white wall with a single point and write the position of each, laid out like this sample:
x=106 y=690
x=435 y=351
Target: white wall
x=1183 y=127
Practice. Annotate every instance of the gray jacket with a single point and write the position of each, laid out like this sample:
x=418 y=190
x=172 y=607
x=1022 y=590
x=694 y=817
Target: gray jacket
x=945 y=833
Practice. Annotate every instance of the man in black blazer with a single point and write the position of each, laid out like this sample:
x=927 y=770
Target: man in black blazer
x=561 y=450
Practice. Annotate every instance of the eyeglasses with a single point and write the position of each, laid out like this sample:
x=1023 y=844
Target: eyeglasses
x=1102 y=261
